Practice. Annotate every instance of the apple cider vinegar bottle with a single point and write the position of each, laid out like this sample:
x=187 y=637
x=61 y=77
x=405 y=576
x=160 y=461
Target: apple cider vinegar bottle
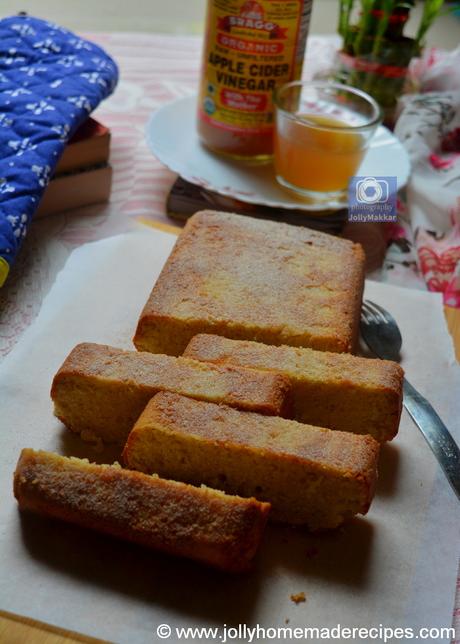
x=251 y=47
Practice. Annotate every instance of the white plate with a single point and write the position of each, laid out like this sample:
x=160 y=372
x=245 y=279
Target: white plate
x=172 y=137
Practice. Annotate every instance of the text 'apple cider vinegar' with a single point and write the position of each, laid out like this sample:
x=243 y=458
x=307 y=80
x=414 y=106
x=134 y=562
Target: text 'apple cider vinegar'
x=251 y=47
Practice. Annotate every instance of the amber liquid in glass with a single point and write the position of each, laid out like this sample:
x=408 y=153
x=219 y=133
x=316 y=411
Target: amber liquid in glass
x=315 y=159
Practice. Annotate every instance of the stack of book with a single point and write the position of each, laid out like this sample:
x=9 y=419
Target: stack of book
x=83 y=175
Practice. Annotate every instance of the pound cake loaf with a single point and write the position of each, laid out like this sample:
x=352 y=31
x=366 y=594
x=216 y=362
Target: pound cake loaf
x=100 y=391
x=339 y=391
x=310 y=475
x=249 y=279
x=199 y=523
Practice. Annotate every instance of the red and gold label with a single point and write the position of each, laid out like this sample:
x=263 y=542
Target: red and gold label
x=251 y=48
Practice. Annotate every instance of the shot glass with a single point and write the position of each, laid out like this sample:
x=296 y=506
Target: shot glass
x=322 y=132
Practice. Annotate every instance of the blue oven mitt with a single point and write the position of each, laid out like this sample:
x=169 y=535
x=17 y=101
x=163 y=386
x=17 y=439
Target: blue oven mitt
x=50 y=80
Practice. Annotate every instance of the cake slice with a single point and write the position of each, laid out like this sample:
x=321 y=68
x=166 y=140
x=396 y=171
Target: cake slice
x=339 y=391
x=199 y=523
x=313 y=476
x=100 y=391
x=248 y=279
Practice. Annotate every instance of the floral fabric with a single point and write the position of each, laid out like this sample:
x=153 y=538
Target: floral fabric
x=50 y=80
x=428 y=235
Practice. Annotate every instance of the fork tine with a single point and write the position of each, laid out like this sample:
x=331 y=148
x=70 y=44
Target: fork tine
x=365 y=316
x=380 y=331
x=383 y=311
x=369 y=313
x=379 y=313
x=365 y=305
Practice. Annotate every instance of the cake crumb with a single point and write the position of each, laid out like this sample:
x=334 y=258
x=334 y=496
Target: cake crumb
x=298 y=598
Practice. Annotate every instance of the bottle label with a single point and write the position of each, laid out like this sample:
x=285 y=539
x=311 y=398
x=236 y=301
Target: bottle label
x=251 y=48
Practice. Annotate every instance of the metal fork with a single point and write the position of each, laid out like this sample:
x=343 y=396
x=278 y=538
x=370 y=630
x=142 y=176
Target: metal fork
x=381 y=334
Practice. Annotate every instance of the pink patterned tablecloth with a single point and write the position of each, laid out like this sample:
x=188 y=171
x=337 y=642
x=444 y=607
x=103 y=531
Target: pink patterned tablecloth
x=154 y=70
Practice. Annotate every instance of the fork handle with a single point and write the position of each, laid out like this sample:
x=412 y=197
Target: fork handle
x=436 y=434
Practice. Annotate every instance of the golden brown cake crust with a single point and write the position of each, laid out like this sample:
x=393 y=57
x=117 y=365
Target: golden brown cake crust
x=257 y=280
x=102 y=390
x=340 y=391
x=223 y=442
x=199 y=523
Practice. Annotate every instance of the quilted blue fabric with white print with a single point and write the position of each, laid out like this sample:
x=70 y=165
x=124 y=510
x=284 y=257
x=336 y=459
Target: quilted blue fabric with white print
x=50 y=80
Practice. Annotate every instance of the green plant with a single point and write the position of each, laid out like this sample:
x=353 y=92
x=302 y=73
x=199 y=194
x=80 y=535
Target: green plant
x=431 y=10
x=376 y=52
x=375 y=21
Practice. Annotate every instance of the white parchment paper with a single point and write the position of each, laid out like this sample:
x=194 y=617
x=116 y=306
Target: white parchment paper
x=396 y=566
